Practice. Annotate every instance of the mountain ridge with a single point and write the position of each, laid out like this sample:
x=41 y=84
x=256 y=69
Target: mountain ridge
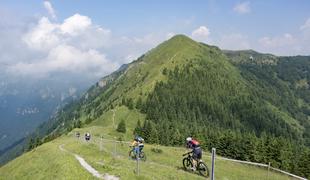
x=182 y=82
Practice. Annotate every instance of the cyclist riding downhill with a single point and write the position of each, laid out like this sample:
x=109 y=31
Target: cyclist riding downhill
x=137 y=147
x=87 y=136
x=194 y=145
x=192 y=159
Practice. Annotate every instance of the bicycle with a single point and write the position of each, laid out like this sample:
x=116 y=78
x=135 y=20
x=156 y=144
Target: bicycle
x=201 y=167
x=133 y=155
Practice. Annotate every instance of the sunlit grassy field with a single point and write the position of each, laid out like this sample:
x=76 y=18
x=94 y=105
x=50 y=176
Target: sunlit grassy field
x=107 y=156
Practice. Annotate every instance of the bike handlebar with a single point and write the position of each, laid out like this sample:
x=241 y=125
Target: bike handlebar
x=186 y=153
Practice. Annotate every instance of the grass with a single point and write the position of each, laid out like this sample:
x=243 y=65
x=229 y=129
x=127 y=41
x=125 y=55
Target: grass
x=44 y=162
x=49 y=162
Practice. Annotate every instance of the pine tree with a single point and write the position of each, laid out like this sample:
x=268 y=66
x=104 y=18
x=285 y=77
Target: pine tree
x=177 y=138
x=121 y=126
x=78 y=124
x=138 y=129
x=30 y=144
x=139 y=103
x=130 y=103
x=153 y=137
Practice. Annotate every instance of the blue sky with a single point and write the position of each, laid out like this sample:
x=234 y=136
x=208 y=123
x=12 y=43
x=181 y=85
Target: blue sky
x=266 y=17
x=107 y=34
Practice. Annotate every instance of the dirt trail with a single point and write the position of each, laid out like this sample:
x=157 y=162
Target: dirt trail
x=88 y=167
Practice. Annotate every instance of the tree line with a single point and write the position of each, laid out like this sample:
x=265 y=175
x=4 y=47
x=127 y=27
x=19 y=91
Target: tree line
x=221 y=112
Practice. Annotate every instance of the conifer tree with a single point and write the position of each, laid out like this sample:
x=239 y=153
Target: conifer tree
x=121 y=126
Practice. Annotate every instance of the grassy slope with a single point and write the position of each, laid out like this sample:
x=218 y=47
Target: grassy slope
x=48 y=161
x=139 y=80
x=142 y=75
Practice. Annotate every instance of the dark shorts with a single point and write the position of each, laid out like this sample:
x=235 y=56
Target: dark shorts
x=197 y=153
x=141 y=147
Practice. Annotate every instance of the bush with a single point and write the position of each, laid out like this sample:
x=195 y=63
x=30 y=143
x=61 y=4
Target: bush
x=157 y=150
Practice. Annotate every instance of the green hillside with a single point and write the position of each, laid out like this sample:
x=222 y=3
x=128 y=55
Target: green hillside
x=49 y=161
x=238 y=102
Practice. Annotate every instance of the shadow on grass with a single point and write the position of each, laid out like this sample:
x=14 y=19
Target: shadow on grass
x=181 y=168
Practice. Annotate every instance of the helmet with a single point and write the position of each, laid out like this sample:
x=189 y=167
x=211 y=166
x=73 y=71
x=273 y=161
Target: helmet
x=140 y=139
x=136 y=138
x=188 y=139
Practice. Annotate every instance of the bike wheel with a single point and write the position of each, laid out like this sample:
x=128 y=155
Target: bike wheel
x=203 y=169
x=187 y=164
x=142 y=156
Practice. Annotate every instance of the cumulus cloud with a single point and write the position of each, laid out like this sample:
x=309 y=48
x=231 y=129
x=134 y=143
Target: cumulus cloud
x=201 y=33
x=75 y=24
x=234 y=41
x=65 y=58
x=278 y=41
x=48 y=6
x=75 y=46
x=286 y=44
x=43 y=36
x=242 y=8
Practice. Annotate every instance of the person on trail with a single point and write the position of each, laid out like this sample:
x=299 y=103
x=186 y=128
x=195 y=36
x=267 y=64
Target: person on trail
x=77 y=134
x=194 y=145
x=87 y=136
x=137 y=144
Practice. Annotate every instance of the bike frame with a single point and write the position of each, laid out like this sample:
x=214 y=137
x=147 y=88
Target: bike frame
x=190 y=157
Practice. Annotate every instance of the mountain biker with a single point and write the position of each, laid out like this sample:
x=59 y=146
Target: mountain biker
x=196 y=150
x=87 y=136
x=78 y=134
x=137 y=144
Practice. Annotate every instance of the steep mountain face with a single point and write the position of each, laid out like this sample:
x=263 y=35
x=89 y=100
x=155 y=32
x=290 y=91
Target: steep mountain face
x=282 y=81
x=243 y=103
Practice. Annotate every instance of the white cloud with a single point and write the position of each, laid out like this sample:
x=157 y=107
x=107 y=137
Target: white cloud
x=201 y=33
x=75 y=24
x=48 y=6
x=77 y=46
x=278 y=41
x=286 y=44
x=306 y=25
x=242 y=8
x=74 y=46
x=43 y=36
x=76 y=29
x=65 y=58
x=234 y=41
x=305 y=29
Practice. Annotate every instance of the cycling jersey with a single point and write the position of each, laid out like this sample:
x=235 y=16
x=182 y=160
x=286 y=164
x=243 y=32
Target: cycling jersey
x=195 y=146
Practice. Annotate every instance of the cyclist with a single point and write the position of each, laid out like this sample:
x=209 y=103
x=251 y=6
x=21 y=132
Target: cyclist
x=87 y=136
x=137 y=144
x=196 y=150
x=77 y=134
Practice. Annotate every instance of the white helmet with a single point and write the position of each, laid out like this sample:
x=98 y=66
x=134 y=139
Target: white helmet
x=188 y=139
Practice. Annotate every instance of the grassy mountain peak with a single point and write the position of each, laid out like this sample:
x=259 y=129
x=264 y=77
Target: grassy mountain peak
x=232 y=100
